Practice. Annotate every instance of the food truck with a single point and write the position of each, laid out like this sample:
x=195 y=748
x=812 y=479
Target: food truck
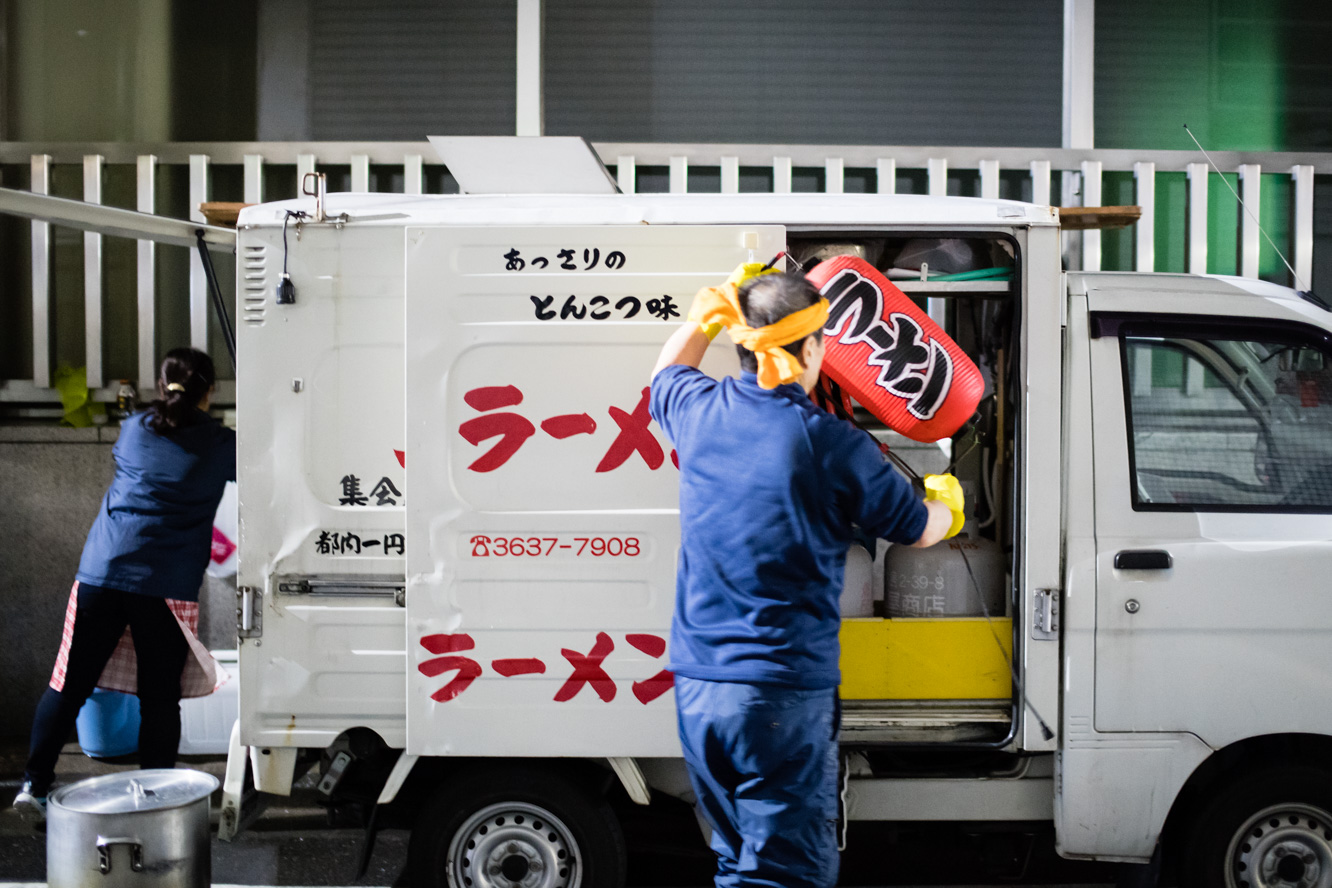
x=458 y=532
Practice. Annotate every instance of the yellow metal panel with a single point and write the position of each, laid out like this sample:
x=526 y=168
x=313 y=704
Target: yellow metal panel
x=926 y=659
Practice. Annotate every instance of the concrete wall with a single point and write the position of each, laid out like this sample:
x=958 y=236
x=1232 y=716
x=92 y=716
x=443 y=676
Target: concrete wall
x=51 y=484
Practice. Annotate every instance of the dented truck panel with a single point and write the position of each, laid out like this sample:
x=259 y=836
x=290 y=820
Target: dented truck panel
x=319 y=420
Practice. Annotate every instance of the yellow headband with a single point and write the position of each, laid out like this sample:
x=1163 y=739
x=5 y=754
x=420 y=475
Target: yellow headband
x=776 y=365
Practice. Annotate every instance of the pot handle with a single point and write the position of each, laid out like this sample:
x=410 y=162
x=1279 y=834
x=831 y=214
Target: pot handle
x=104 y=845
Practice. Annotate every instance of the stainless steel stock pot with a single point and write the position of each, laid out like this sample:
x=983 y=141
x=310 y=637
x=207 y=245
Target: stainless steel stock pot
x=146 y=829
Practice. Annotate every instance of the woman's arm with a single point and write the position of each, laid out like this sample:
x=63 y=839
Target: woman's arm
x=686 y=346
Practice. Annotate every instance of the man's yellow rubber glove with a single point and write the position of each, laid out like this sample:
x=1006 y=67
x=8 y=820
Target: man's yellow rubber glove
x=747 y=271
x=946 y=490
x=743 y=274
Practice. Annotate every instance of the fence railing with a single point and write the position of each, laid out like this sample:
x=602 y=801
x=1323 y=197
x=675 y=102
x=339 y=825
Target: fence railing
x=410 y=167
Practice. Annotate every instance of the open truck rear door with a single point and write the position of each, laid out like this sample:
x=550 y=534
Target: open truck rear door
x=542 y=526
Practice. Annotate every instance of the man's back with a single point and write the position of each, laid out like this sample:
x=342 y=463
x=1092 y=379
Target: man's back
x=770 y=488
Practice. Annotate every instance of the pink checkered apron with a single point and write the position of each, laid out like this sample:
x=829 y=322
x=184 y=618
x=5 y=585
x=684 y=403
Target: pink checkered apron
x=202 y=673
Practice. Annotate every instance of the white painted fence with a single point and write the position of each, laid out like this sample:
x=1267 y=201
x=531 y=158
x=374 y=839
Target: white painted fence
x=1078 y=174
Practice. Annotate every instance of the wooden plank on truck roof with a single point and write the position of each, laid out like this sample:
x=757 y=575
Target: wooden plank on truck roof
x=1084 y=218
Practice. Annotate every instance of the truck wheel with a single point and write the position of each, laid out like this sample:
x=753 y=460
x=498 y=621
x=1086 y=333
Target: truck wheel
x=1270 y=829
x=521 y=827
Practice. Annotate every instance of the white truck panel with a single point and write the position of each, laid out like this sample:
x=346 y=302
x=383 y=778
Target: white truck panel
x=1118 y=790
x=319 y=400
x=1038 y=447
x=1025 y=794
x=329 y=664
x=1222 y=647
x=1113 y=791
x=1234 y=634
x=528 y=359
x=815 y=210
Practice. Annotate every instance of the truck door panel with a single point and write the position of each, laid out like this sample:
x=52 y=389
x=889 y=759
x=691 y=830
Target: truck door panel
x=542 y=522
x=1213 y=491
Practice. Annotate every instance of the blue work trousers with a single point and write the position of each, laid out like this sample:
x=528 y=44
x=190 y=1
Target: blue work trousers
x=763 y=763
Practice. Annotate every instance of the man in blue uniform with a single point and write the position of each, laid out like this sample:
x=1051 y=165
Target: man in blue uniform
x=770 y=488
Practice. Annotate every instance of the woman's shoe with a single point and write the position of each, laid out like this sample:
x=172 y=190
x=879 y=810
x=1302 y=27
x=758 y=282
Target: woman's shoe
x=30 y=807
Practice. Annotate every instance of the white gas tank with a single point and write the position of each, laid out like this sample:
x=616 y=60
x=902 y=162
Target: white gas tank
x=934 y=582
x=858 y=584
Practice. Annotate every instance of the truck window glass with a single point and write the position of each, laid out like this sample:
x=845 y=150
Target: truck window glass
x=1220 y=424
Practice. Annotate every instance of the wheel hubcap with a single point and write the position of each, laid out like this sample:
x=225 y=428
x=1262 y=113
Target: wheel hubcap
x=1284 y=846
x=513 y=845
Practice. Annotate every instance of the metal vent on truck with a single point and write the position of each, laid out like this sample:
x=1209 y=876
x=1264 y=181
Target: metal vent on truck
x=254 y=285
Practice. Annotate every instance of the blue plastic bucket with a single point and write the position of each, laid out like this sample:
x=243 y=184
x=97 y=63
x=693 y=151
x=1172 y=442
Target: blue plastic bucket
x=108 y=724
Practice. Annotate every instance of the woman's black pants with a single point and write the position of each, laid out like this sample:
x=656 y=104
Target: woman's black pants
x=161 y=650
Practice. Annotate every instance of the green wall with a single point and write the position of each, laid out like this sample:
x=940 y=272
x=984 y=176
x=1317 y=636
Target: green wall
x=1245 y=76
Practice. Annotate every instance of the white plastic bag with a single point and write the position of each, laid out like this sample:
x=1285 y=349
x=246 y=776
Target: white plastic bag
x=222 y=562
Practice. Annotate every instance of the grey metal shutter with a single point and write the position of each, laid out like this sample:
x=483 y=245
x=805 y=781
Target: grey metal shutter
x=948 y=72
x=408 y=69
x=914 y=72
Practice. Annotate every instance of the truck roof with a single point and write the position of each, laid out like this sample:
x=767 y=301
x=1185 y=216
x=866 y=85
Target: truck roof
x=1185 y=285
x=798 y=210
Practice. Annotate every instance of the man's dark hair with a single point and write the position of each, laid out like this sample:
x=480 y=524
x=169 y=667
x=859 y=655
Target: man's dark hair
x=766 y=300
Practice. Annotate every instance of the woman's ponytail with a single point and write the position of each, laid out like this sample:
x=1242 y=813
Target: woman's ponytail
x=185 y=377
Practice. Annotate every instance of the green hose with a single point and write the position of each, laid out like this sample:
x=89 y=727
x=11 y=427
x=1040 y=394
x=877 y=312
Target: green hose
x=1001 y=273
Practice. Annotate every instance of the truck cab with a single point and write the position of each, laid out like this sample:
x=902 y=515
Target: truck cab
x=1195 y=521
x=458 y=533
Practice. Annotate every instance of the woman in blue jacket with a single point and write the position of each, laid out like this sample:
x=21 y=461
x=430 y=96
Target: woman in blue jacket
x=150 y=542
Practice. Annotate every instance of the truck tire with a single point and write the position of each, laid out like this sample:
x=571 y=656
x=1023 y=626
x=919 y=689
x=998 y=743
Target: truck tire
x=497 y=829
x=1269 y=828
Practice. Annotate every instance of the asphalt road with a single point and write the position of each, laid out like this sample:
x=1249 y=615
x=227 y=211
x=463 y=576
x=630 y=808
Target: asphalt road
x=293 y=844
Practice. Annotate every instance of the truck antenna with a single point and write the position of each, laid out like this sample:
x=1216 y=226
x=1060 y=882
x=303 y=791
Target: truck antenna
x=1299 y=284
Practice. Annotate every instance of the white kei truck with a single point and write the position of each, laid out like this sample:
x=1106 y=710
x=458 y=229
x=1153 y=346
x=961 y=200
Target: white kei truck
x=459 y=532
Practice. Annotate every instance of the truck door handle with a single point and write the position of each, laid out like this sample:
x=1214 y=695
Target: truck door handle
x=1143 y=559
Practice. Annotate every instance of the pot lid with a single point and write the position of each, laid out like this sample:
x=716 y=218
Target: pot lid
x=132 y=791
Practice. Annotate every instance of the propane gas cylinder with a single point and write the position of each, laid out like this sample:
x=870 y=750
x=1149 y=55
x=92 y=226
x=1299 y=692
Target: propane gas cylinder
x=857 y=598
x=934 y=582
